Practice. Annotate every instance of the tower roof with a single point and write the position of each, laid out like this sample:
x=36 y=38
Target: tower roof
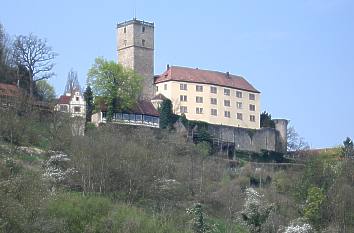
x=135 y=21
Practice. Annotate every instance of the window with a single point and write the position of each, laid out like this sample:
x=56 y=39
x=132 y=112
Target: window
x=165 y=87
x=77 y=109
x=227 y=103
x=199 y=110
x=199 y=88
x=63 y=108
x=213 y=101
x=214 y=112
x=199 y=99
x=239 y=116
x=183 y=109
x=239 y=105
x=143 y=42
x=125 y=42
x=77 y=98
x=143 y=29
x=252 y=96
x=183 y=86
x=157 y=88
x=183 y=98
x=227 y=114
x=238 y=94
x=213 y=90
x=252 y=118
x=227 y=92
x=252 y=107
x=125 y=30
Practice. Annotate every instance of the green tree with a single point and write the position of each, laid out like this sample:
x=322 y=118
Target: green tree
x=315 y=198
x=45 y=91
x=166 y=114
x=119 y=87
x=266 y=120
x=88 y=95
x=348 y=148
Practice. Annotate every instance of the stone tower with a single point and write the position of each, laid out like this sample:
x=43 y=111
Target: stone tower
x=281 y=125
x=135 y=45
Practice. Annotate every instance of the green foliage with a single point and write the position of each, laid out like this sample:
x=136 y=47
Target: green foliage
x=266 y=120
x=315 y=198
x=119 y=87
x=166 y=115
x=204 y=148
x=88 y=95
x=44 y=91
x=80 y=214
x=348 y=148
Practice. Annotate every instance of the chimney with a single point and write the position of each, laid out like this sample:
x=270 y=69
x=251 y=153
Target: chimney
x=168 y=66
x=227 y=74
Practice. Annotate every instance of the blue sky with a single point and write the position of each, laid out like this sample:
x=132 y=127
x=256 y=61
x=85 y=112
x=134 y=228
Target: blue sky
x=299 y=54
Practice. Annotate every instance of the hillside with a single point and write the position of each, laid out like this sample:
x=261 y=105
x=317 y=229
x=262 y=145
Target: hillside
x=135 y=179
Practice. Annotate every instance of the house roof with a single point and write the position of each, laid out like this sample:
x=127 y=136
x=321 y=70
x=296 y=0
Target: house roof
x=144 y=107
x=185 y=74
x=9 y=90
x=64 y=99
x=159 y=97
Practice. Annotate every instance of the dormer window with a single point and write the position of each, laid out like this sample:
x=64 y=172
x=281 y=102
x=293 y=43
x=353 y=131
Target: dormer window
x=77 y=98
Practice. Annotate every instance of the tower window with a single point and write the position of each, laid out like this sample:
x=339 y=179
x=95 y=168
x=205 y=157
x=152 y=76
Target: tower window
x=143 y=42
x=143 y=29
x=125 y=30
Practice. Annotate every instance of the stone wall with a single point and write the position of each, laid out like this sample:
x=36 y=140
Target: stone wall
x=249 y=139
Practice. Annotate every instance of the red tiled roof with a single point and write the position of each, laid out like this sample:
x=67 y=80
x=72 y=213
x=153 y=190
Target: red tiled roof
x=9 y=90
x=145 y=107
x=185 y=74
x=64 y=99
x=159 y=97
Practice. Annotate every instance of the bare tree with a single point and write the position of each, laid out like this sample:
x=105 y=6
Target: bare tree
x=295 y=142
x=36 y=56
x=72 y=83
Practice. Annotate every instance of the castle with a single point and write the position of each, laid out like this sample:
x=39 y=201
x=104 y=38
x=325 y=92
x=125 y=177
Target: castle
x=229 y=103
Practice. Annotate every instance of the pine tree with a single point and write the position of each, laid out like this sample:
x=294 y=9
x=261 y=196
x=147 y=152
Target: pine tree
x=89 y=103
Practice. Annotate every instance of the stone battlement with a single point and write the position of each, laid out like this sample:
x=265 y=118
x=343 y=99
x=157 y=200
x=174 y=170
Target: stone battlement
x=135 y=21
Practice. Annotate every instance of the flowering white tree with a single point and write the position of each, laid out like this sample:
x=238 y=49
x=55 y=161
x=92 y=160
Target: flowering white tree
x=299 y=226
x=255 y=211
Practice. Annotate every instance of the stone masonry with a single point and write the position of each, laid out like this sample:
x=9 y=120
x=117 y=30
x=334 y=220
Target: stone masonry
x=135 y=45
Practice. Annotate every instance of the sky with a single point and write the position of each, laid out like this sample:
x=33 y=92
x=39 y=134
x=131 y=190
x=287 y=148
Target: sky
x=299 y=54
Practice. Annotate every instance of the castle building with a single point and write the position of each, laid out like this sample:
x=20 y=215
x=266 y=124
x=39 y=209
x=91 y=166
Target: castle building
x=229 y=103
x=135 y=46
x=211 y=96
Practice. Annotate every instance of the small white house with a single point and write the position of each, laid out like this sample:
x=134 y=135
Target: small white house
x=72 y=103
